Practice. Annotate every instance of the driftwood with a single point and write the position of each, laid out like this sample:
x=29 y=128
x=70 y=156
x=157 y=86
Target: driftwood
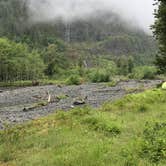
x=37 y=105
x=49 y=97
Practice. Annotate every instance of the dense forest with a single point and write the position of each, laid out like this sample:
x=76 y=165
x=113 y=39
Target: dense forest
x=80 y=44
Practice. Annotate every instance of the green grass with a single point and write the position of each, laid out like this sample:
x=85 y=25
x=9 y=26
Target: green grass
x=30 y=83
x=128 y=132
x=72 y=79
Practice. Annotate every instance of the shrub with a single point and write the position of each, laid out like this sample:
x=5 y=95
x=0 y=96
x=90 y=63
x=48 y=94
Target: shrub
x=144 y=72
x=130 y=157
x=97 y=75
x=74 y=80
x=154 y=142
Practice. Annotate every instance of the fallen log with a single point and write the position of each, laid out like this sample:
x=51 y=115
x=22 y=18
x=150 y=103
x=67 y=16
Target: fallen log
x=37 y=105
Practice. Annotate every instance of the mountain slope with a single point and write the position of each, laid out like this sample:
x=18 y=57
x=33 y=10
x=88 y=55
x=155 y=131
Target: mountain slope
x=107 y=27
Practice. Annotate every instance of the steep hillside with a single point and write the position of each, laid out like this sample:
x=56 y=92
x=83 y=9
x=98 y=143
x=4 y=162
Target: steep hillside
x=115 y=34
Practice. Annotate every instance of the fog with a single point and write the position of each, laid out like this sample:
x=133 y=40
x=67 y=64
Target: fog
x=137 y=12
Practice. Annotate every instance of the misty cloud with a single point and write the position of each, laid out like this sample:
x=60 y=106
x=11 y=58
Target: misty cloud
x=139 y=12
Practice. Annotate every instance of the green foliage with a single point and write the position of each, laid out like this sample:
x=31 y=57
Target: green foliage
x=18 y=63
x=74 y=80
x=81 y=111
x=6 y=155
x=142 y=108
x=99 y=75
x=144 y=72
x=100 y=124
x=10 y=137
x=153 y=146
x=138 y=102
x=90 y=42
x=15 y=13
x=160 y=33
x=128 y=44
x=125 y=65
x=102 y=72
x=55 y=61
x=113 y=83
x=130 y=157
x=109 y=65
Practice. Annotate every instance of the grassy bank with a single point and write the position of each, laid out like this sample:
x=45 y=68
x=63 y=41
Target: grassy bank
x=31 y=83
x=129 y=132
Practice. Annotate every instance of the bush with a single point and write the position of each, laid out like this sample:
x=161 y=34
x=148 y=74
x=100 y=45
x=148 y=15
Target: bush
x=154 y=142
x=99 y=76
x=144 y=72
x=74 y=80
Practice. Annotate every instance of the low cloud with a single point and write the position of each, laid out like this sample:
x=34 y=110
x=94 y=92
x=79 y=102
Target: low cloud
x=138 y=12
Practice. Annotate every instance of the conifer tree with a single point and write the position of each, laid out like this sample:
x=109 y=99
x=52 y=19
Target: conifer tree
x=160 y=33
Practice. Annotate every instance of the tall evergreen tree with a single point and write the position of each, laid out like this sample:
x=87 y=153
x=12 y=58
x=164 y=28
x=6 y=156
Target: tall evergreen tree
x=160 y=34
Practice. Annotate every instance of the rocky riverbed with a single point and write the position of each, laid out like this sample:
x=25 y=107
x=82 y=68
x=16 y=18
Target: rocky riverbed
x=23 y=104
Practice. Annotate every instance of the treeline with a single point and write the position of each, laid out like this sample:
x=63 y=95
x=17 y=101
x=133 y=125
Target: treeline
x=20 y=62
x=128 y=44
x=17 y=62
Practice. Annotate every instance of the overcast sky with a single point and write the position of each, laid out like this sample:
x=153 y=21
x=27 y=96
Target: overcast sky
x=137 y=11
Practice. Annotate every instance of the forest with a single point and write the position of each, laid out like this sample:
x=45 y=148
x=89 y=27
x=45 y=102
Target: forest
x=84 y=44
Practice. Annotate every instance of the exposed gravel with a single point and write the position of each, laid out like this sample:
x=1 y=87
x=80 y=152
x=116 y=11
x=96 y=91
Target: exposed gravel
x=13 y=102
